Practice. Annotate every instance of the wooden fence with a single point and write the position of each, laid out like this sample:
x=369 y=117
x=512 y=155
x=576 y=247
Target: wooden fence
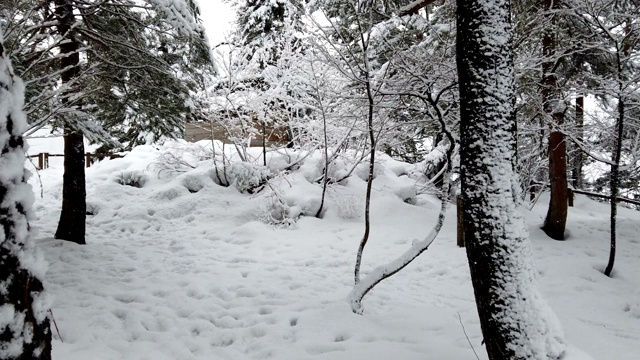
x=213 y=131
x=600 y=196
x=570 y=192
x=43 y=158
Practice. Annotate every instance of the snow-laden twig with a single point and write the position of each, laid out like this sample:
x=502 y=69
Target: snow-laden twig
x=382 y=272
x=467 y=336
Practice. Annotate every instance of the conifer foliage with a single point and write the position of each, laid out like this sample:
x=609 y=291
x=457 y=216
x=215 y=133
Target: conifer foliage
x=24 y=325
x=130 y=67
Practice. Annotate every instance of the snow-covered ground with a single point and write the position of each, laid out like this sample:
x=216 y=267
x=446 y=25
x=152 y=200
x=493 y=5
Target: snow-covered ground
x=174 y=274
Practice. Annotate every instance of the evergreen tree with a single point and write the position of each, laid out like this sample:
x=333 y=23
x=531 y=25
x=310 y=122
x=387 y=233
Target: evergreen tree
x=24 y=328
x=124 y=65
x=261 y=88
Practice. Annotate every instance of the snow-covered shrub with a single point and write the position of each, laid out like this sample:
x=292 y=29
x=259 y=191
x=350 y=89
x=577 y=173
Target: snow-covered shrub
x=170 y=192
x=362 y=170
x=133 y=178
x=248 y=177
x=406 y=192
x=275 y=211
x=220 y=175
x=179 y=157
x=193 y=182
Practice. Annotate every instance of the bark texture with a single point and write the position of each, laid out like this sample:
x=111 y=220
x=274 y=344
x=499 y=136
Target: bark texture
x=72 y=223
x=556 y=219
x=516 y=322
x=24 y=325
x=578 y=161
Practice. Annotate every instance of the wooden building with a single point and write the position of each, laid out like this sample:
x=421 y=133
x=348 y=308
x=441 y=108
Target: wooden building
x=275 y=136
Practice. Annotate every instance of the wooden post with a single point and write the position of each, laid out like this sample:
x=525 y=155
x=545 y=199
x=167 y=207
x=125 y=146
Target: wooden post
x=459 y=208
x=41 y=161
x=87 y=161
x=46 y=160
x=570 y=197
x=532 y=191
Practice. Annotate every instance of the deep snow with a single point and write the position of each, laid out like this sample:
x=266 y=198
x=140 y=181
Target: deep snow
x=171 y=274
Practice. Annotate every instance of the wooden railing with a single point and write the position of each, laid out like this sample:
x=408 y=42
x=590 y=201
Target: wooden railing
x=43 y=158
x=600 y=196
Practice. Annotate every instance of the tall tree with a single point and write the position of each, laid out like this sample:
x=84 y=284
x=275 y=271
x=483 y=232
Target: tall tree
x=24 y=326
x=127 y=66
x=71 y=225
x=556 y=219
x=613 y=38
x=515 y=320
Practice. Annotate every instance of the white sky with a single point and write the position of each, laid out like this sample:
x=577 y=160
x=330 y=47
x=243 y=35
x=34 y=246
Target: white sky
x=216 y=17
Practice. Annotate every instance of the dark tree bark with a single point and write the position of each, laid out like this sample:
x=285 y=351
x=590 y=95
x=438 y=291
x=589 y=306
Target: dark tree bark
x=556 y=219
x=515 y=321
x=615 y=167
x=579 y=158
x=72 y=223
x=25 y=334
x=614 y=184
x=617 y=153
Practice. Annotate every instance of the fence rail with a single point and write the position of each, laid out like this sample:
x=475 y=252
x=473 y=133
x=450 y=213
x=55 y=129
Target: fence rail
x=89 y=158
x=608 y=197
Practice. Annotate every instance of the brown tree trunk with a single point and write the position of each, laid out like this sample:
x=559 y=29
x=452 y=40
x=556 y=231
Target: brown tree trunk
x=555 y=222
x=71 y=225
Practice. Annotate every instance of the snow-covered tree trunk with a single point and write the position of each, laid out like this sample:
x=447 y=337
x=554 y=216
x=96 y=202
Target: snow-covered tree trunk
x=516 y=322
x=72 y=222
x=24 y=325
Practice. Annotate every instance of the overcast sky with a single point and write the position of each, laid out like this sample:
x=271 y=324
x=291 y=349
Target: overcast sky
x=216 y=17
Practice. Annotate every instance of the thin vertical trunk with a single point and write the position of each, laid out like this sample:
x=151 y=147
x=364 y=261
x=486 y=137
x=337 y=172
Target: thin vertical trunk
x=372 y=161
x=372 y=156
x=264 y=142
x=460 y=220
x=72 y=223
x=515 y=321
x=579 y=158
x=615 y=167
x=556 y=219
x=614 y=184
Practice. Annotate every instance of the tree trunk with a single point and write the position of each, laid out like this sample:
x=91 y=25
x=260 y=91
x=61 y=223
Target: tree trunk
x=614 y=184
x=74 y=208
x=556 y=220
x=460 y=220
x=516 y=322
x=579 y=158
x=71 y=225
x=615 y=170
x=617 y=153
x=25 y=332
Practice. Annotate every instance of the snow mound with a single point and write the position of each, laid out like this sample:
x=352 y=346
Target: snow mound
x=183 y=268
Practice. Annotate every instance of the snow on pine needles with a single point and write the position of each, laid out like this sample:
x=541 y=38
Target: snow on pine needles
x=183 y=268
